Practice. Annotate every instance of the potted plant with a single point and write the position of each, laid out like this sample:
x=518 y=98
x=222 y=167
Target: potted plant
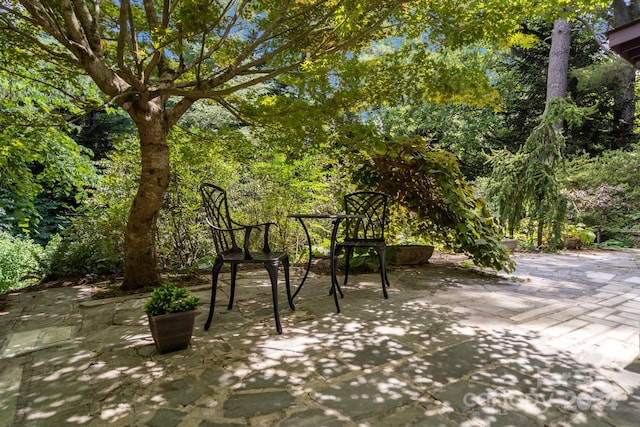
x=575 y=236
x=171 y=311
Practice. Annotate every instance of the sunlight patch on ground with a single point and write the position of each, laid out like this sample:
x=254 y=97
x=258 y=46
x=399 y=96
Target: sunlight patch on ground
x=389 y=330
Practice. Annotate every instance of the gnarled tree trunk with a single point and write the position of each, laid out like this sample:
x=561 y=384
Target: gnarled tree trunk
x=140 y=235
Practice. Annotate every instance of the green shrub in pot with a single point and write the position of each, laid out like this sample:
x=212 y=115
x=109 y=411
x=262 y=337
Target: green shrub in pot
x=170 y=298
x=171 y=311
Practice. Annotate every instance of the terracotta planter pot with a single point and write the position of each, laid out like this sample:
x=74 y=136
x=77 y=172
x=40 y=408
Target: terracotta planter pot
x=172 y=331
x=409 y=254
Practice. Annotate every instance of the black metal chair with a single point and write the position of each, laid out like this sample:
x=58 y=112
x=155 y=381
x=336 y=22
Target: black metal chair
x=367 y=231
x=226 y=234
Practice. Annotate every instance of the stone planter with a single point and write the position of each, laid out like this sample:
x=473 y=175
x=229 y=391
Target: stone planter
x=409 y=254
x=172 y=331
x=511 y=244
x=571 y=243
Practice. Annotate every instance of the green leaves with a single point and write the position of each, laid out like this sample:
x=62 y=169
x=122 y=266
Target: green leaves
x=40 y=97
x=525 y=183
x=19 y=265
x=429 y=183
x=169 y=298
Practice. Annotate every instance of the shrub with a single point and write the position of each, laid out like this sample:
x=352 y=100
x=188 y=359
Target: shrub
x=19 y=264
x=428 y=182
x=605 y=192
x=74 y=256
x=580 y=231
x=93 y=244
x=169 y=298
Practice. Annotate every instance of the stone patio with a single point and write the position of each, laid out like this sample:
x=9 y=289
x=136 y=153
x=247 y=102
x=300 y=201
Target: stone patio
x=556 y=343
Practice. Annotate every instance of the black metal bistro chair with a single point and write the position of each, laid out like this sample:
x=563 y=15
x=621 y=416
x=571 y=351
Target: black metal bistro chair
x=367 y=231
x=226 y=234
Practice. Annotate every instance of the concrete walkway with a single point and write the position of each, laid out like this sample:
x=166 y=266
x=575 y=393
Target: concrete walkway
x=554 y=344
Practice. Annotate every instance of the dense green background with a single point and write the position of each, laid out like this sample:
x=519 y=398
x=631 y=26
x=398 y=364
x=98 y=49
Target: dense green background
x=69 y=168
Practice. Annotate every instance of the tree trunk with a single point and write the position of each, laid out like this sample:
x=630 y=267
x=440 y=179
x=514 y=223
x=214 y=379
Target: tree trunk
x=140 y=263
x=624 y=109
x=540 y=234
x=559 y=60
x=557 y=82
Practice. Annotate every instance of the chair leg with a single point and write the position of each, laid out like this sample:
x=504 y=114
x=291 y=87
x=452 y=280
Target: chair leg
x=347 y=264
x=334 y=278
x=273 y=274
x=214 y=286
x=335 y=287
x=383 y=270
x=386 y=276
x=287 y=283
x=234 y=272
x=335 y=298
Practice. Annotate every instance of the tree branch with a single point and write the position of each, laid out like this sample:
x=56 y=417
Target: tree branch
x=596 y=36
x=89 y=25
x=134 y=44
x=43 y=18
x=178 y=110
x=225 y=34
x=125 y=71
x=74 y=30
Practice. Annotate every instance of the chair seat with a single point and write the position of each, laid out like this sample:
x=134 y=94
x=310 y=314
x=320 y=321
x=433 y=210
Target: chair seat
x=254 y=257
x=361 y=242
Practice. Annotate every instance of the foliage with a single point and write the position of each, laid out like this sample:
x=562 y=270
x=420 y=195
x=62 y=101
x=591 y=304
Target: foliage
x=401 y=231
x=467 y=132
x=525 y=184
x=156 y=59
x=85 y=253
x=601 y=207
x=24 y=263
x=169 y=298
x=47 y=257
x=93 y=243
x=580 y=231
x=98 y=129
x=518 y=77
x=18 y=262
x=605 y=192
x=601 y=84
x=263 y=185
x=619 y=243
x=44 y=166
x=453 y=23
x=37 y=156
x=429 y=183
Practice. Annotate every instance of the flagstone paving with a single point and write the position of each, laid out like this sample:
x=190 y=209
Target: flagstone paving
x=555 y=343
